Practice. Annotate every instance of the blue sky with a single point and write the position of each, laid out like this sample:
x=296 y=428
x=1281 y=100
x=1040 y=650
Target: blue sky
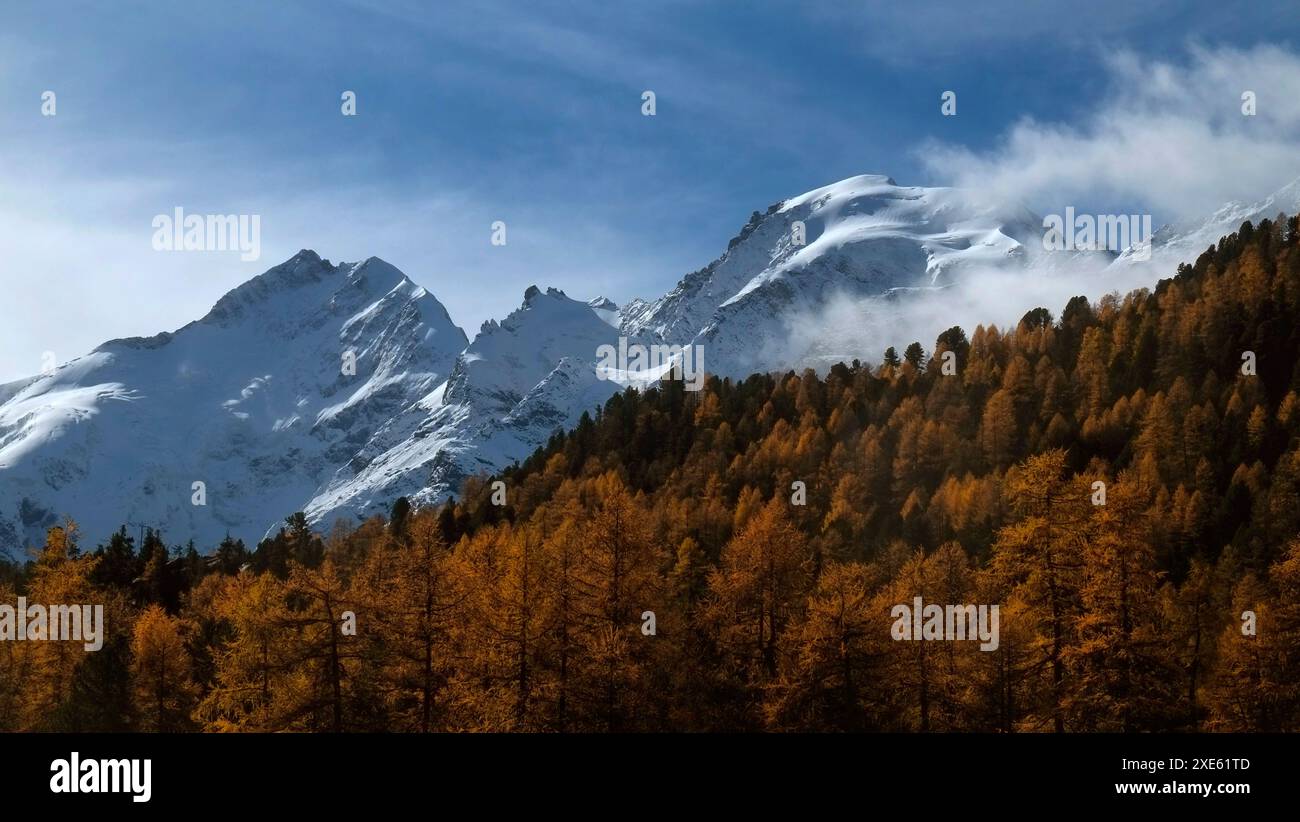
x=530 y=113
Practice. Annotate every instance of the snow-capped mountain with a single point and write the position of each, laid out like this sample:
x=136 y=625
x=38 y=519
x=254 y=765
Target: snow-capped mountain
x=1183 y=242
x=519 y=381
x=256 y=400
x=253 y=401
x=864 y=236
x=534 y=372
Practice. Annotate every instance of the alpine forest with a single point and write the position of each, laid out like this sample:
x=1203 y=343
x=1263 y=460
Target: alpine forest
x=1121 y=479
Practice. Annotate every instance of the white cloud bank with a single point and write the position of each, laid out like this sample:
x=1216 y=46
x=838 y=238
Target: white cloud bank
x=1168 y=137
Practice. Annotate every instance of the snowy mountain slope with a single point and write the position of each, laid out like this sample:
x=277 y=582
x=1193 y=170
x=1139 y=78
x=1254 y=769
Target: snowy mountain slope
x=513 y=386
x=251 y=400
x=865 y=236
x=1184 y=241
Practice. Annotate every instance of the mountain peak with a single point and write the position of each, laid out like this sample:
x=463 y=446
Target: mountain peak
x=302 y=269
x=306 y=256
x=860 y=237
x=375 y=276
x=314 y=281
x=533 y=292
x=257 y=399
x=849 y=186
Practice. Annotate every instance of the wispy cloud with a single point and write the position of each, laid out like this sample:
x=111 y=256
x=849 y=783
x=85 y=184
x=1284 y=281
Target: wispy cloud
x=1169 y=136
x=956 y=31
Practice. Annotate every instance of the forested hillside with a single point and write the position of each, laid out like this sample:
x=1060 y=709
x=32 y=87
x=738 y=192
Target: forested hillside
x=1122 y=480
